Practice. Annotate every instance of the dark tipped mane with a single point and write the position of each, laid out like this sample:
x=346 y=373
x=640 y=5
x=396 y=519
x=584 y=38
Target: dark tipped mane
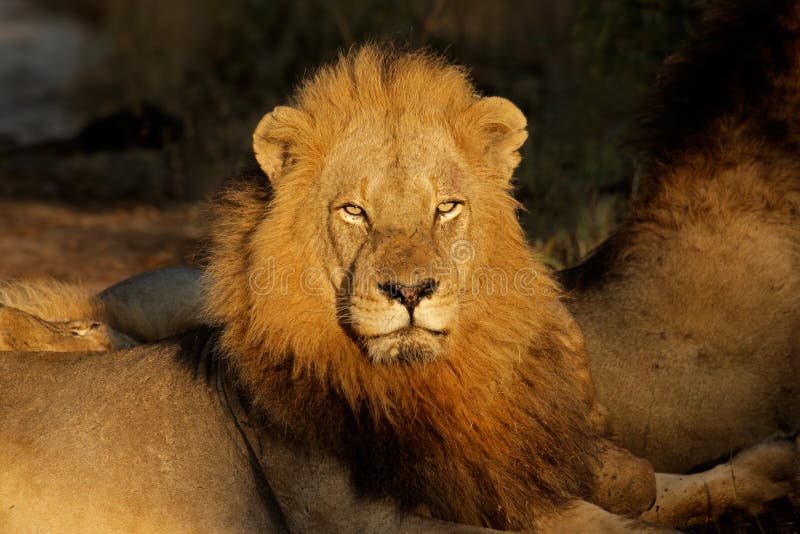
x=731 y=73
x=593 y=269
x=728 y=99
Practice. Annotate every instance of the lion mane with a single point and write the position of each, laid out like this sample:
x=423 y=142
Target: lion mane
x=494 y=431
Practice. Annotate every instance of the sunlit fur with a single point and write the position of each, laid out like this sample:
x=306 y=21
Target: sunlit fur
x=54 y=316
x=44 y=314
x=491 y=431
x=51 y=300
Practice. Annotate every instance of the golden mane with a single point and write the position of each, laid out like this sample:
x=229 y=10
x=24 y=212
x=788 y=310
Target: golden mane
x=486 y=434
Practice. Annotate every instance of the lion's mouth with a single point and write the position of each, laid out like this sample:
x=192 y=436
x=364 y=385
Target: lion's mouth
x=369 y=319
x=408 y=331
x=406 y=345
x=390 y=332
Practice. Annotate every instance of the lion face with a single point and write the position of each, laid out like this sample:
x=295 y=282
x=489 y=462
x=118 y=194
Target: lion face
x=397 y=206
x=378 y=188
x=380 y=281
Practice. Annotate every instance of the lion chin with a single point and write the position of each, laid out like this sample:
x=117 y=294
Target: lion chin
x=391 y=332
x=407 y=345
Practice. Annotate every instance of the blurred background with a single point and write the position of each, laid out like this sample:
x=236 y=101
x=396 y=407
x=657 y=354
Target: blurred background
x=117 y=117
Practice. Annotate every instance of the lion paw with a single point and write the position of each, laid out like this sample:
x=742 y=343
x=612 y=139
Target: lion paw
x=763 y=473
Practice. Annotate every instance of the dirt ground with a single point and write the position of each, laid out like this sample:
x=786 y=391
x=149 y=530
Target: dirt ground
x=96 y=247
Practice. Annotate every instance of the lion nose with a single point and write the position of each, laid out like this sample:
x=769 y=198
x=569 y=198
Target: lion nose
x=409 y=295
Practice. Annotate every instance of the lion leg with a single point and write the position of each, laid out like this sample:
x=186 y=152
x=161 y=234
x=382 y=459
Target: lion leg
x=47 y=315
x=755 y=476
x=625 y=484
x=581 y=517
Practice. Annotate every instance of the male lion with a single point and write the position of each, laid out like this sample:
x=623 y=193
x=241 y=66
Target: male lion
x=691 y=310
x=379 y=317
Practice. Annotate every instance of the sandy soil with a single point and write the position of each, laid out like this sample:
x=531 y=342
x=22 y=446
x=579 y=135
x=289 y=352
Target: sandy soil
x=98 y=247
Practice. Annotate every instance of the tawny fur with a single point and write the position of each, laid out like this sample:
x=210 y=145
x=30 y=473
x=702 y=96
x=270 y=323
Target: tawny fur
x=52 y=300
x=495 y=431
x=691 y=310
x=57 y=316
x=501 y=429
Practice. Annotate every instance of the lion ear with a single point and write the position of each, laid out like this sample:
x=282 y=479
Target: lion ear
x=274 y=136
x=503 y=129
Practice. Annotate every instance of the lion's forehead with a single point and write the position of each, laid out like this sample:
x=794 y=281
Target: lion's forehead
x=383 y=161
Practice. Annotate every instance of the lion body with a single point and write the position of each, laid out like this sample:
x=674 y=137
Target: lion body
x=701 y=333
x=148 y=439
x=102 y=453
x=691 y=311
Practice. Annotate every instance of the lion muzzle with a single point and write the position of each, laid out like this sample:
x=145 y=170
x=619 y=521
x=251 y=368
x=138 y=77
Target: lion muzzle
x=409 y=295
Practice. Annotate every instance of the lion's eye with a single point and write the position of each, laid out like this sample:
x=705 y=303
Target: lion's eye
x=448 y=210
x=353 y=214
